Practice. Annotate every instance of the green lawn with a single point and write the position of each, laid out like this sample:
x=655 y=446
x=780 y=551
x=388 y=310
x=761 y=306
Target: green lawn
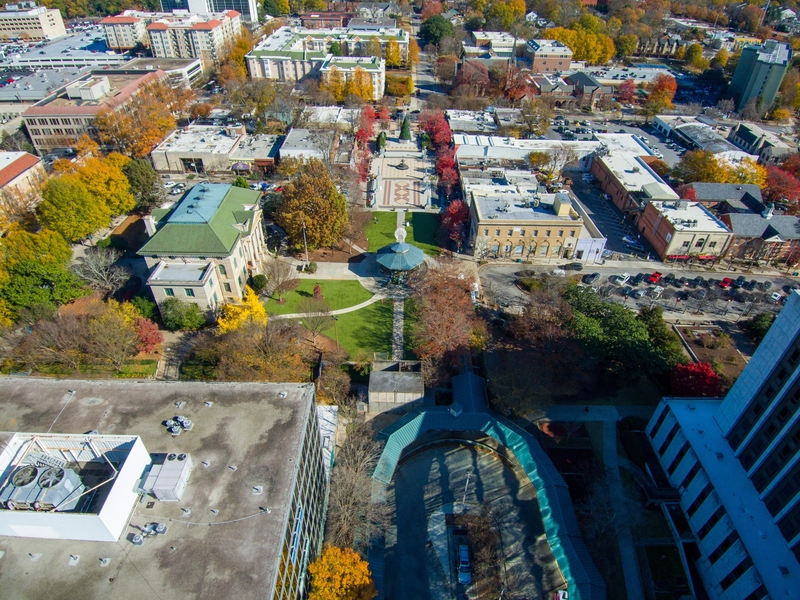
x=337 y=294
x=368 y=329
x=422 y=232
x=409 y=318
x=380 y=233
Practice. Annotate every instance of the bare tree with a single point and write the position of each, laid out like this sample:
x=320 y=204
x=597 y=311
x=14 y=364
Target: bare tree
x=357 y=221
x=317 y=317
x=111 y=340
x=333 y=383
x=59 y=341
x=98 y=268
x=280 y=275
x=354 y=520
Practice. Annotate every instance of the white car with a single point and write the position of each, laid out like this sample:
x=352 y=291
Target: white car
x=169 y=184
x=623 y=279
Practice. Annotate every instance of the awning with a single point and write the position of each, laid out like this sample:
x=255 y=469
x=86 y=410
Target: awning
x=240 y=167
x=709 y=257
x=678 y=256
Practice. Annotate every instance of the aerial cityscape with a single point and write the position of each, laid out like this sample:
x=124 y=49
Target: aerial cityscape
x=430 y=300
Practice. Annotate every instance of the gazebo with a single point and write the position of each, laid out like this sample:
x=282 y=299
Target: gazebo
x=400 y=257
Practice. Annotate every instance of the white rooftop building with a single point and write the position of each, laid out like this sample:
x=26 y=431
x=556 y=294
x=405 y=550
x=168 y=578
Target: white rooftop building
x=471 y=121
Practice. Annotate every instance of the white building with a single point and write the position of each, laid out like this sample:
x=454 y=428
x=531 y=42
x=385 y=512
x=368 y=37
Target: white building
x=291 y=53
x=469 y=121
x=124 y=31
x=25 y=20
x=736 y=463
x=52 y=483
x=247 y=8
x=203 y=249
x=206 y=37
x=307 y=143
x=351 y=66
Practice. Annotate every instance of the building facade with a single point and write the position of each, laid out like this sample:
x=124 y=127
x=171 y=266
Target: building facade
x=25 y=20
x=124 y=32
x=769 y=148
x=681 y=230
x=291 y=53
x=325 y=20
x=61 y=118
x=735 y=463
x=759 y=73
x=246 y=8
x=354 y=68
x=204 y=249
x=763 y=238
x=549 y=56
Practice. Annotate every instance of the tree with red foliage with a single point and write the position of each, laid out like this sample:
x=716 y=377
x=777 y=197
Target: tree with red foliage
x=366 y=125
x=689 y=194
x=384 y=115
x=626 y=91
x=454 y=221
x=472 y=79
x=447 y=179
x=148 y=337
x=695 y=379
x=431 y=8
x=362 y=165
x=792 y=164
x=440 y=133
x=445 y=159
x=782 y=186
x=664 y=84
x=514 y=84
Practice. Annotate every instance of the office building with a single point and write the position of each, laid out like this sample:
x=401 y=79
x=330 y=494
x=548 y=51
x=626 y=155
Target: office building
x=69 y=112
x=325 y=20
x=549 y=56
x=181 y=72
x=736 y=464
x=759 y=74
x=247 y=8
x=206 y=36
x=27 y=21
x=291 y=53
x=680 y=230
x=155 y=489
x=70 y=51
x=203 y=249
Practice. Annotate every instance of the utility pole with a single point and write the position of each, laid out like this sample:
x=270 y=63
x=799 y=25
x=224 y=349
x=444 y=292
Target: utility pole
x=464 y=499
x=305 y=245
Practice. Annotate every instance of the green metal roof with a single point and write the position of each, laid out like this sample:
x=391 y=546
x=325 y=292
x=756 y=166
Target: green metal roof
x=207 y=222
x=558 y=515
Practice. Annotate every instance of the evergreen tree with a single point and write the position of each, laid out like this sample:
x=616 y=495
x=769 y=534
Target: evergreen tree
x=405 y=129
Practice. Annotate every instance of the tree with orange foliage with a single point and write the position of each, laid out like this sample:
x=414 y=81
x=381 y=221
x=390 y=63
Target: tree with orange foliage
x=413 y=51
x=431 y=8
x=340 y=574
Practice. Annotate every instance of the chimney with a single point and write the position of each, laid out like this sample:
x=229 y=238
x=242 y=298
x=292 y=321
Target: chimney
x=150 y=225
x=767 y=214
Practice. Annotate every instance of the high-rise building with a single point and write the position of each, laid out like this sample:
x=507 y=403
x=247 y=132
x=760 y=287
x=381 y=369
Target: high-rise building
x=736 y=464
x=759 y=73
x=247 y=8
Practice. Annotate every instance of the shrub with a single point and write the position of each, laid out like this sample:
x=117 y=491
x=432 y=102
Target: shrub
x=259 y=283
x=148 y=335
x=179 y=315
x=311 y=268
x=399 y=85
x=146 y=307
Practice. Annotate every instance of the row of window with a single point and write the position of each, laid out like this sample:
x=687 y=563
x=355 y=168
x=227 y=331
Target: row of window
x=519 y=249
x=522 y=232
x=698 y=244
x=71 y=131
x=61 y=121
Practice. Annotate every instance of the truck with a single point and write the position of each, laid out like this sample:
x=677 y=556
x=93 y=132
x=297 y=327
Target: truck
x=655 y=277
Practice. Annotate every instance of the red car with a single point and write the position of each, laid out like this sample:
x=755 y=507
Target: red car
x=726 y=283
x=655 y=277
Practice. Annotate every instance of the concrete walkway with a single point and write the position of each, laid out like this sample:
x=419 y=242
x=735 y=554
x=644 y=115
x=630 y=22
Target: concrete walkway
x=397 y=329
x=609 y=415
x=340 y=311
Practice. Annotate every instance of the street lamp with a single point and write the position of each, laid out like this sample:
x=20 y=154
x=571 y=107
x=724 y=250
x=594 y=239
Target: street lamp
x=335 y=331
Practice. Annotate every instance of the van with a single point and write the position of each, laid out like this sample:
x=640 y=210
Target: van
x=464 y=575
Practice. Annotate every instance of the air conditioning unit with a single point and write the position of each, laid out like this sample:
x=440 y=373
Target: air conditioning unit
x=166 y=477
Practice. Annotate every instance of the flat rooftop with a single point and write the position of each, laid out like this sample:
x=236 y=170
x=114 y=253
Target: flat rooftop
x=330 y=115
x=117 y=81
x=615 y=76
x=253 y=147
x=32 y=86
x=179 y=272
x=200 y=138
x=756 y=527
x=87 y=48
x=289 y=42
x=679 y=213
x=151 y=63
x=230 y=554
x=630 y=170
x=515 y=203
x=471 y=121
x=471 y=146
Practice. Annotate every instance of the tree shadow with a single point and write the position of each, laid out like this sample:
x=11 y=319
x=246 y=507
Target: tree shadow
x=304 y=294
x=376 y=334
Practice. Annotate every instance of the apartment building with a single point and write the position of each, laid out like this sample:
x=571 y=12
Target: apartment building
x=124 y=31
x=549 y=56
x=759 y=73
x=736 y=463
x=246 y=8
x=26 y=20
x=61 y=118
x=203 y=249
x=351 y=66
x=291 y=53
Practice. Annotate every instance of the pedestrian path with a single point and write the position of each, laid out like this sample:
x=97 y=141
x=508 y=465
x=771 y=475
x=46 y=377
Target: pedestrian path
x=339 y=311
x=397 y=329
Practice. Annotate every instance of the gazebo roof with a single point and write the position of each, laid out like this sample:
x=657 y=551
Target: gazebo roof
x=400 y=256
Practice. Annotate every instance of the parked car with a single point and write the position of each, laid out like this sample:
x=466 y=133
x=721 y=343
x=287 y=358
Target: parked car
x=591 y=278
x=776 y=297
x=626 y=291
x=751 y=285
x=623 y=279
x=668 y=279
x=698 y=282
x=573 y=266
x=682 y=282
x=636 y=246
x=766 y=285
x=655 y=277
x=726 y=283
x=740 y=281
x=638 y=279
x=169 y=184
x=639 y=293
x=464 y=570
x=629 y=239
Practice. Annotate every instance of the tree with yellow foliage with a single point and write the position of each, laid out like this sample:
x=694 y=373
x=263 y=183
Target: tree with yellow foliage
x=105 y=179
x=393 y=54
x=518 y=8
x=374 y=47
x=340 y=574
x=363 y=84
x=334 y=84
x=594 y=48
x=748 y=171
x=413 y=51
x=703 y=166
x=235 y=316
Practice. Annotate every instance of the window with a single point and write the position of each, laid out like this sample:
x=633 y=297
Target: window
x=486 y=232
x=561 y=233
x=712 y=244
x=510 y=232
x=535 y=233
x=222 y=270
x=685 y=244
x=226 y=287
x=497 y=232
x=169 y=292
x=211 y=282
x=547 y=233
x=522 y=233
x=189 y=292
x=699 y=243
x=572 y=233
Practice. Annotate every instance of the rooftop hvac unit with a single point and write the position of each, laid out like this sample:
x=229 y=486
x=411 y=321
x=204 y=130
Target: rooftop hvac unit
x=42 y=488
x=167 y=475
